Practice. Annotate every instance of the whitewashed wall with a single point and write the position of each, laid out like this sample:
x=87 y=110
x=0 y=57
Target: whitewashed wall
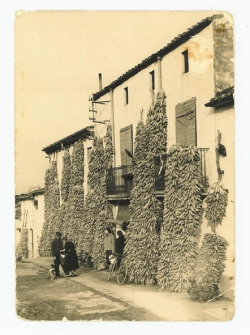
x=178 y=86
x=38 y=223
x=199 y=82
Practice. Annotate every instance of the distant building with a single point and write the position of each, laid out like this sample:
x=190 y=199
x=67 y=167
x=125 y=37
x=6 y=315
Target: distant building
x=31 y=219
x=55 y=151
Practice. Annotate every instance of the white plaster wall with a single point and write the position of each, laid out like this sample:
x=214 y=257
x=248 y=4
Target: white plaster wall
x=34 y=222
x=178 y=86
x=199 y=82
x=27 y=218
x=58 y=157
x=87 y=144
x=140 y=97
x=224 y=122
x=38 y=223
x=59 y=160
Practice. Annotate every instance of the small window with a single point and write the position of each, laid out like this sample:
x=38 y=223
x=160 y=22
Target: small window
x=186 y=65
x=126 y=95
x=152 y=79
x=89 y=149
x=36 y=203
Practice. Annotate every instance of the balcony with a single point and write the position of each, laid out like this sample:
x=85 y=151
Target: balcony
x=160 y=171
x=119 y=180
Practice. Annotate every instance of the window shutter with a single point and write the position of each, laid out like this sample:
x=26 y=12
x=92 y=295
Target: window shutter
x=186 y=123
x=126 y=142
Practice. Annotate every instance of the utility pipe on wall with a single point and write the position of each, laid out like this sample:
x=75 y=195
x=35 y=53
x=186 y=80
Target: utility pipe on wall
x=32 y=243
x=159 y=73
x=100 y=81
x=113 y=122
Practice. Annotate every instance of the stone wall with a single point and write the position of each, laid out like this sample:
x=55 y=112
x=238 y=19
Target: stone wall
x=223 y=53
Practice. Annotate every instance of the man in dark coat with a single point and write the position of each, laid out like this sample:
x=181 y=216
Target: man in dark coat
x=56 y=247
x=119 y=246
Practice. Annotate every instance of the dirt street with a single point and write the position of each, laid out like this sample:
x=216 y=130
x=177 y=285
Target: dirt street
x=39 y=298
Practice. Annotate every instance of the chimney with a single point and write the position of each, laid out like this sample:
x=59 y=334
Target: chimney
x=100 y=81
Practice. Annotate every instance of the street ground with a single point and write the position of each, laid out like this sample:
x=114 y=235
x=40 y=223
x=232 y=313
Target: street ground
x=41 y=299
x=89 y=296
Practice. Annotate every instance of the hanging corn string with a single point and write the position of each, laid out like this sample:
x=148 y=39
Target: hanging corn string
x=181 y=219
x=142 y=245
x=211 y=261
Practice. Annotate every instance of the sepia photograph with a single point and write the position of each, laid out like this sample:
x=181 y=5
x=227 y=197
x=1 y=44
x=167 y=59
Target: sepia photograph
x=124 y=165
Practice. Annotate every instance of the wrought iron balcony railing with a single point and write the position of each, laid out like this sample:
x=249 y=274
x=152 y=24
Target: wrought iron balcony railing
x=119 y=180
x=160 y=170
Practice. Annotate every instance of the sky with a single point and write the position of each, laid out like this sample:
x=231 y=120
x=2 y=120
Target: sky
x=58 y=55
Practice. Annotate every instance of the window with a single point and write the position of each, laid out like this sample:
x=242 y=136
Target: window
x=126 y=95
x=36 y=203
x=126 y=145
x=152 y=80
x=186 y=123
x=186 y=65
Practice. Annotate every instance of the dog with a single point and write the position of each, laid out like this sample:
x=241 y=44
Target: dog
x=52 y=272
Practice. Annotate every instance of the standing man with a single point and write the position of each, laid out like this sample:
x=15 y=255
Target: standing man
x=119 y=246
x=56 y=247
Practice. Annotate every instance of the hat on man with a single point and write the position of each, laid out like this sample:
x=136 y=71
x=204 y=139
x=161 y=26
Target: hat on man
x=58 y=234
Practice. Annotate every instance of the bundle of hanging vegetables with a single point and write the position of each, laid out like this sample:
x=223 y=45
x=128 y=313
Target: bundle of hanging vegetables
x=211 y=261
x=98 y=211
x=75 y=224
x=142 y=243
x=51 y=207
x=181 y=218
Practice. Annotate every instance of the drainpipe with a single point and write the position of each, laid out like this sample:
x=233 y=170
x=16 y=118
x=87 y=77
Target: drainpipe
x=100 y=81
x=113 y=123
x=32 y=243
x=159 y=73
x=24 y=215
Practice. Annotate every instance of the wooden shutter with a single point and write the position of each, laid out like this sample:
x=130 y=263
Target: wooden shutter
x=126 y=142
x=186 y=123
